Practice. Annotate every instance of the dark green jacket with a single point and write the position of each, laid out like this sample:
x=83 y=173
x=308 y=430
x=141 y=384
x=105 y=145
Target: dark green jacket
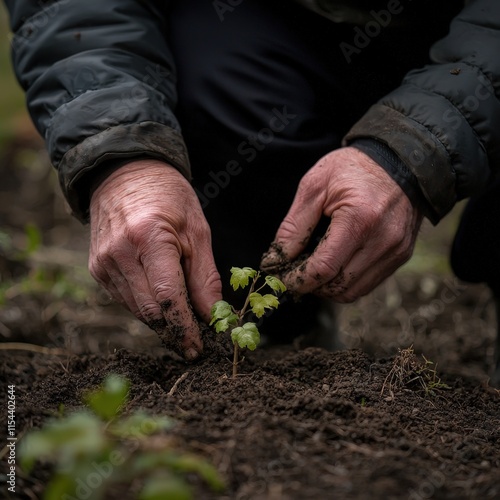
x=100 y=85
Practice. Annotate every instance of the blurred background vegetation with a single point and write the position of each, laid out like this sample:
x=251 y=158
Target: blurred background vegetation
x=12 y=108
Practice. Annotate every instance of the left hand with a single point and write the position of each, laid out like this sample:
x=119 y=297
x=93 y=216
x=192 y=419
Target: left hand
x=372 y=230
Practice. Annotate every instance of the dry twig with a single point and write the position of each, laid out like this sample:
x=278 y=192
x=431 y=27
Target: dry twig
x=22 y=346
x=177 y=382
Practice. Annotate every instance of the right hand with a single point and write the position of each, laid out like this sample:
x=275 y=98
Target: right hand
x=372 y=231
x=151 y=250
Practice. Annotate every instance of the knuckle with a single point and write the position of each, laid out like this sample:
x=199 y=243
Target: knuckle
x=200 y=227
x=145 y=238
x=404 y=253
x=139 y=231
x=98 y=271
x=164 y=291
x=324 y=268
x=102 y=261
x=149 y=310
x=288 y=228
x=353 y=223
x=309 y=185
x=401 y=242
x=369 y=216
x=95 y=271
x=213 y=281
x=111 y=251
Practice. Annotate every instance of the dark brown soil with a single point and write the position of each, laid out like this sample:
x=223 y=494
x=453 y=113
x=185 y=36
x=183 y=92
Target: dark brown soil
x=293 y=425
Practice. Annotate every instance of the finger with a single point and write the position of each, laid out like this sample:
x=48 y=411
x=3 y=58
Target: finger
x=100 y=273
x=332 y=254
x=128 y=284
x=115 y=294
x=366 y=270
x=125 y=294
x=167 y=284
x=359 y=277
x=202 y=278
x=295 y=231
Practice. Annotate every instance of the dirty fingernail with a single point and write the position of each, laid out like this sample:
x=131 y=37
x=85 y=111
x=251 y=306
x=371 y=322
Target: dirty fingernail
x=191 y=354
x=269 y=259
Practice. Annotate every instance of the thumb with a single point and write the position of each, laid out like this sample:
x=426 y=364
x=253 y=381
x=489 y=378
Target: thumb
x=295 y=231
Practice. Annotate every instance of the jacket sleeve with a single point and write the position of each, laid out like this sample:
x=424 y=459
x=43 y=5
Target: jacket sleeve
x=443 y=122
x=100 y=84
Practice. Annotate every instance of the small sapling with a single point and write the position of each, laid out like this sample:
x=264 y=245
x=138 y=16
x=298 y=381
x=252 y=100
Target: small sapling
x=224 y=316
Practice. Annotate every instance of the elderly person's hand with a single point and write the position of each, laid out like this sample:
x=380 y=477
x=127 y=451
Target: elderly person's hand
x=151 y=249
x=372 y=230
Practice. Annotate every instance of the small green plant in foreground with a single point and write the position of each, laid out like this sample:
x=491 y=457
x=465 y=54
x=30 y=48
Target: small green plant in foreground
x=224 y=316
x=99 y=448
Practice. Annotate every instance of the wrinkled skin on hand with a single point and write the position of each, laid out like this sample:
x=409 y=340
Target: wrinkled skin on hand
x=372 y=230
x=151 y=250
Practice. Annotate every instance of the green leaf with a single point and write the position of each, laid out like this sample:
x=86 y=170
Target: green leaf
x=78 y=482
x=246 y=336
x=106 y=401
x=166 y=487
x=223 y=316
x=187 y=462
x=221 y=309
x=140 y=425
x=277 y=285
x=61 y=485
x=240 y=276
x=260 y=303
x=179 y=462
x=223 y=324
x=64 y=440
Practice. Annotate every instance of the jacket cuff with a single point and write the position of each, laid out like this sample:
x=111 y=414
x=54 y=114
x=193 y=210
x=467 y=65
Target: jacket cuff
x=83 y=167
x=420 y=150
x=392 y=164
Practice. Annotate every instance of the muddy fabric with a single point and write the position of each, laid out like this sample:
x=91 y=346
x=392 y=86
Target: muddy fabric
x=93 y=72
x=444 y=120
x=93 y=66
